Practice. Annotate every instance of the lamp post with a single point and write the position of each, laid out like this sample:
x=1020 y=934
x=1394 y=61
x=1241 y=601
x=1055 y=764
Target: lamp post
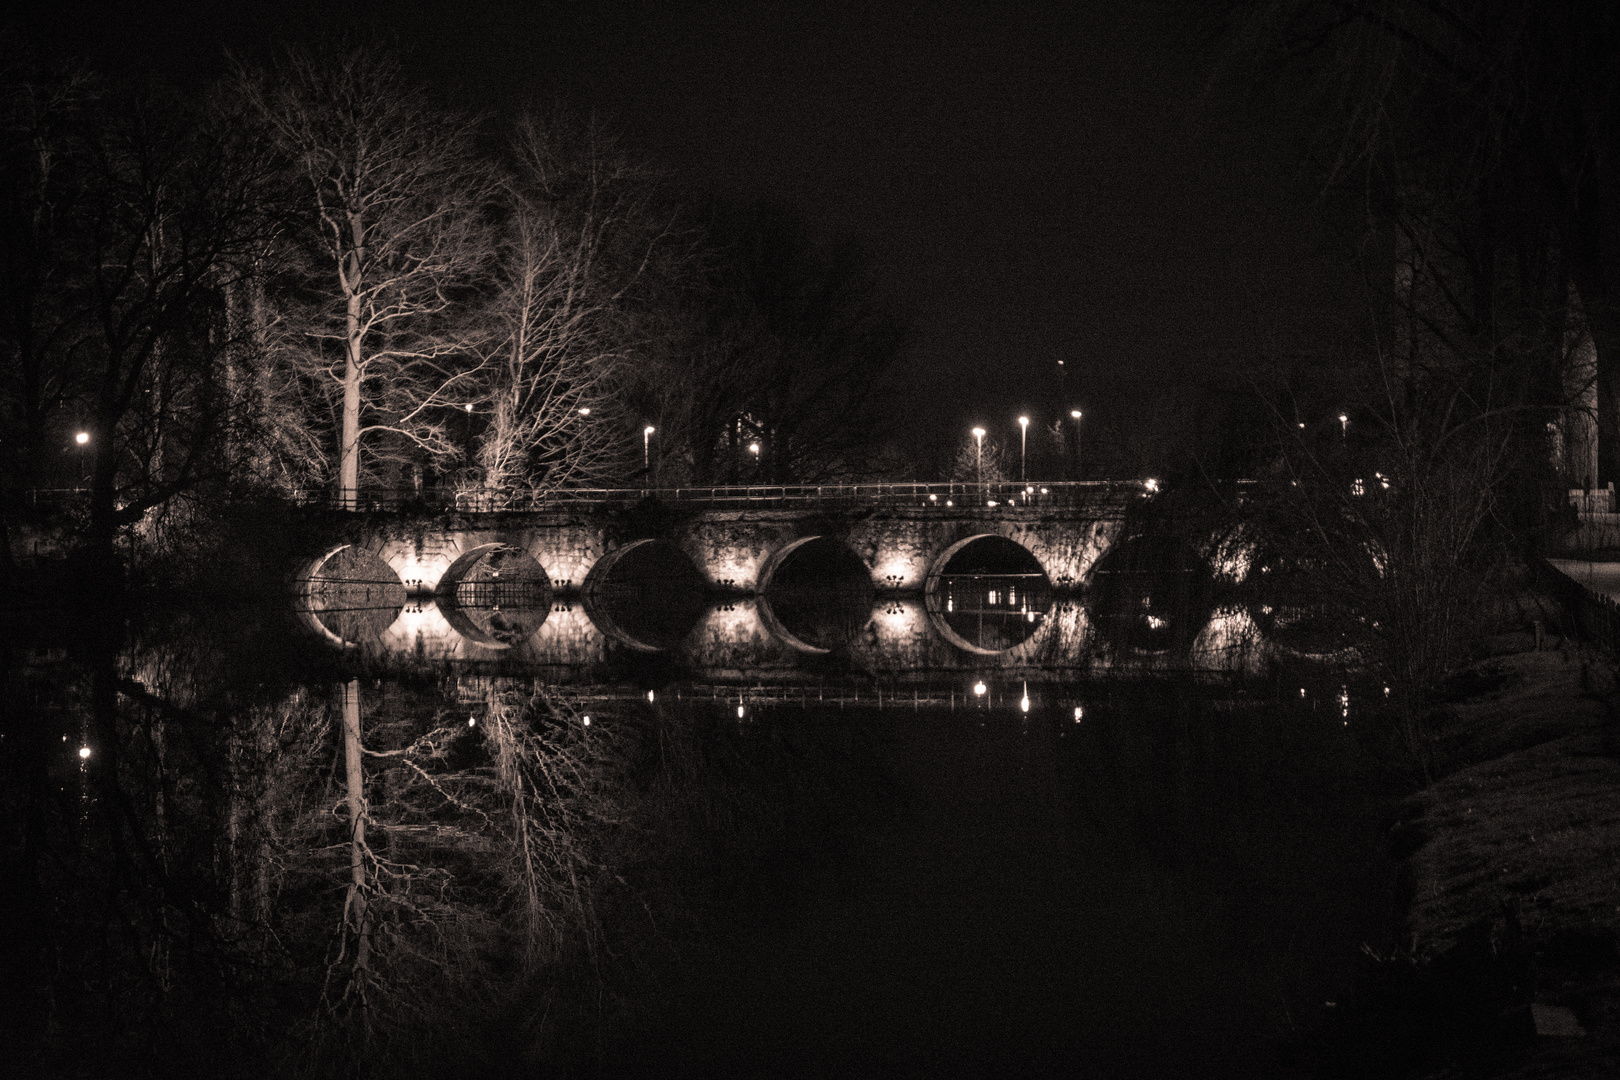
x=1344 y=425
x=646 y=449
x=753 y=448
x=1075 y=414
x=978 y=433
x=83 y=439
x=1023 y=448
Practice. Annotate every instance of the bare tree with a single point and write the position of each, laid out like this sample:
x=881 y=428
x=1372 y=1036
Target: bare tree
x=580 y=239
x=397 y=233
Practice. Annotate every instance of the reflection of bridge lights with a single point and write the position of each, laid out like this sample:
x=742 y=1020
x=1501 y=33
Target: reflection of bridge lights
x=84 y=752
x=978 y=688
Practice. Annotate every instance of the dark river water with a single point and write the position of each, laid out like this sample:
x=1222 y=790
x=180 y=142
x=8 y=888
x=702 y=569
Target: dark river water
x=639 y=866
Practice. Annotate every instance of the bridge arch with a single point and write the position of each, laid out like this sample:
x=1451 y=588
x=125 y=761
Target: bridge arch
x=815 y=594
x=646 y=595
x=349 y=594
x=987 y=594
x=495 y=595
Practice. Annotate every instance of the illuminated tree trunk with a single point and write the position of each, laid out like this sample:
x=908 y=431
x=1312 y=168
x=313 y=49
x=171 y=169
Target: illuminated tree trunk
x=354 y=907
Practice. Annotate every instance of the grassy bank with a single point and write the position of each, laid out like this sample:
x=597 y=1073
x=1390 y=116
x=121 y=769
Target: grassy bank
x=1511 y=865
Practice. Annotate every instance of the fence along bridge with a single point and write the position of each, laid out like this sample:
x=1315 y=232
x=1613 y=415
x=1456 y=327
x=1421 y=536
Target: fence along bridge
x=987 y=569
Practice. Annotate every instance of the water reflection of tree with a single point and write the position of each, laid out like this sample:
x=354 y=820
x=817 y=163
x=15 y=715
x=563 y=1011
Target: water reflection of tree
x=351 y=872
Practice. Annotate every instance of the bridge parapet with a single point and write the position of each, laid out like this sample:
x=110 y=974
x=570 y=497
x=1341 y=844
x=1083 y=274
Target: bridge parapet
x=1072 y=494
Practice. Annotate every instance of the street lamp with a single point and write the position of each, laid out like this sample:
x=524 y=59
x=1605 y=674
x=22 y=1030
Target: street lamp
x=1344 y=425
x=83 y=439
x=646 y=448
x=1075 y=414
x=978 y=433
x=586 y=411
x=1023 y=446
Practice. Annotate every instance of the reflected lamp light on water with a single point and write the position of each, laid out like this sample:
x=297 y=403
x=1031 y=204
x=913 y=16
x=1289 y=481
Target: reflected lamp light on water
x=1023 y=702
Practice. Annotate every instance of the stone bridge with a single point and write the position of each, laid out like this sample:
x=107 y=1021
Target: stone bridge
x=898 y=561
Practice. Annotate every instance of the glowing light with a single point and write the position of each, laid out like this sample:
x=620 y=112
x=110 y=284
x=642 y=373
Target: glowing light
x=585 y=411
x=1151 y=484
x=1079 y=713
x=1302 y=691
x=586 y=721
x=82 y=437
x=84 y=752
x=648 y=430
x=739 y=712
x=472 y=721
x=978 y=688
x=950 y=502
x=933 y=498
x=978 y=433
x=753 y=448
x=992 y=502
x=468 y=406
x=649 y=695
x=1023 y=702
x=1075 y=413
x=1023 y=421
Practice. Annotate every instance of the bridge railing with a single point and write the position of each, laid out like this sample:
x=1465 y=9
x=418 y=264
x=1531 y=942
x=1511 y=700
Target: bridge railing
x=1032 y=495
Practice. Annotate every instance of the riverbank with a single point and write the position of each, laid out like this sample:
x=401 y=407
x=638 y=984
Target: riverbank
x=1508 y=962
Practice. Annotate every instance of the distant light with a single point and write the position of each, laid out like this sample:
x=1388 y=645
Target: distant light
x=1079 y=713
x=1302 y=691
x=978 y=688
x=1074 y=413
x=992 y=502
x=1302 y=425
x=933 y=498
x=472 y=721
x=469 y=406
x=1029 y=490
x=1023 y=702
x=649 y=695
x=648 y=430
x=585 y=411
x=978 y=433
x=1023 y=421
x=82 y=437
x=753 y=448
x=950 y=502
x=1343 y=419
x=1151 y=484
x=586 y=721
x=1043 y=491
x=739 y=712
x=84 y=751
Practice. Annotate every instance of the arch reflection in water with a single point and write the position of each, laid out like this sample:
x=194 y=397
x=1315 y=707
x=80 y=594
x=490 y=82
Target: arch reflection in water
x=1149 y=594
x=495 y=595
x=818 y=595
x=988 y=595
x=351 y=596
x=646 y=595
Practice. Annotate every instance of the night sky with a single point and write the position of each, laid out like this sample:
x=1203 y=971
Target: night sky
x=1031 y=185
